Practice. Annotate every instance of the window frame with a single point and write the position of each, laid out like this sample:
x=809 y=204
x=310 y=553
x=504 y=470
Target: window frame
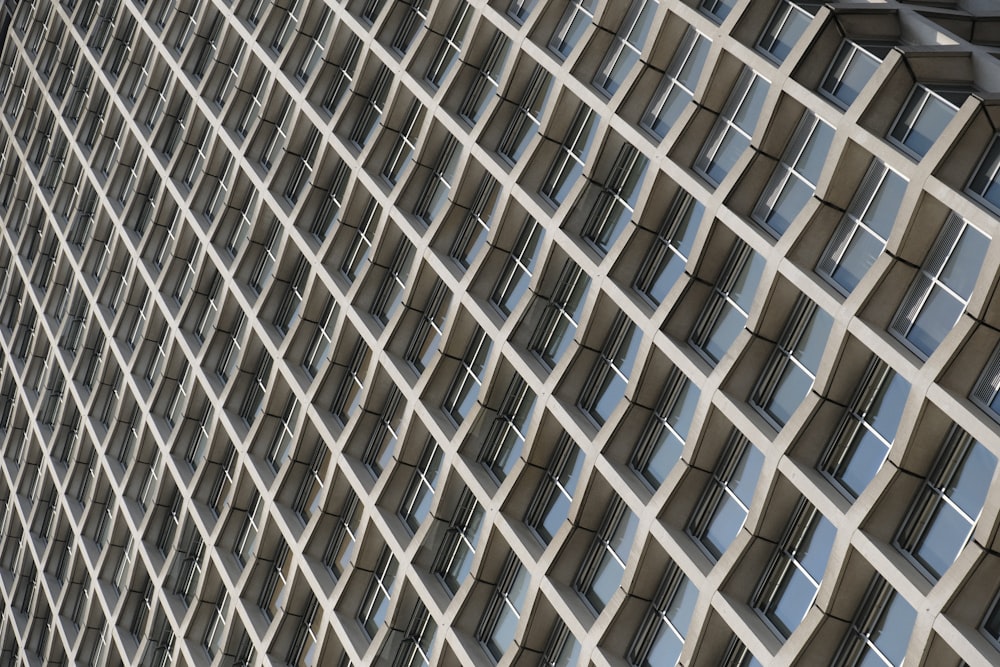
x=619 y=524
x=692 y=50
x=726 y=124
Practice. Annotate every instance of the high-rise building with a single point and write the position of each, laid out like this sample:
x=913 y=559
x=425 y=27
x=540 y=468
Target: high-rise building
x=517 y=332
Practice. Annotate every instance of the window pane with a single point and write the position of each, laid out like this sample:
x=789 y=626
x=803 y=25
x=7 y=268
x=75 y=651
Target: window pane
x=962 y=268
x=936 y=318
x=863 y=459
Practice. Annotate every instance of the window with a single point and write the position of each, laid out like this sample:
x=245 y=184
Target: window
x=794 y=179
x=991 y=624
x=789 y=20
x=866 y=433
x=246 y=540
x=601 y=572
x=361 y=240
x=852 y=67
x=615 y=199
x=626 y=48
x=985 y=183
x=717 y=9
x=662 y=440
x=274 y=573
x=372 y=106
x=383 y=438
x=414 y=649
x=498 y=624
x=574 y=22
x=880 y=630
x=725 y=502
x=314 y=357
x=438 y=184
x=668 y=253
x=728 y=306
x=375 y=603
x=661 y=635
x=550 y=505
x=734 y=128
x=605 y=387
x=348 y=385
x=429 y=328
x=481 y=90
x=524 y=123
x=343 y=73
x=562 y=648
x=476 y=225
x=790 y=372
x=414 y=15
x=468 y=377
x=340 y=545
x=402 y=149
x=458 y=548
x=450 y=46
x=940 y=291
x=508 y=429
x=393 y=283
x=789 y=585
x=512 y=283
x=864 y=229
x=420 y=492
x=738 y=655
x=560 y=315
x=571 y=156
x=944 y=513
x=677 y=87
x=519 y=10
x=923 y=118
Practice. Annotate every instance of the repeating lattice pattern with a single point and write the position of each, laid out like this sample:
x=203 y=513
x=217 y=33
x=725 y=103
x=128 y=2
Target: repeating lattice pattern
x=467 y=331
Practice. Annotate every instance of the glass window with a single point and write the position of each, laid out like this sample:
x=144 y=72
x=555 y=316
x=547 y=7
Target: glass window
x=527 y=116
x=393 y=283
x=668 y=253
x=792 y=368
x=605 y=387
x=429 y=328
x=551 y=502
x=880 y=630
x=560 y=315
x=924 y=117
x=939 y=292
x=612 y=203
x=985 y=183
x=944 y=513
x=508 y=429
x=662 y=440
x=726 y=311
x=458 y=548
x=788 y=22
x=468 y=378
x=437 y=185
x=601 y=572
x=476 y=226
x=574 y=22
x=413 y=649
x=991 y=624
x=562 y=649
x=717 y=9
x=512 y=283
x=626 y=48
x=725 y=502
x=420 y=492
x=450 y=46
x=571 y=156
x=866 y=432
x=852 y=68
x=660 y=638
x=789 y=585
x=375 y=604
x=864 y=229
x=734 y=128
x=503 y=613
x=481 y=90
x=677 y=87
x=794 y=179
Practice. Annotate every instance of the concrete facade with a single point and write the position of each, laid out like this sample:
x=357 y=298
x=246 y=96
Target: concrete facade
x=471 y=332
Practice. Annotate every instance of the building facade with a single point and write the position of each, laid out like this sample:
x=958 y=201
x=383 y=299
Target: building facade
x=472 y=332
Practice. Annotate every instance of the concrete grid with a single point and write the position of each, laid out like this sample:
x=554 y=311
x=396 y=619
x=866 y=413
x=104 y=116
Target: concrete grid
x=462 y=332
